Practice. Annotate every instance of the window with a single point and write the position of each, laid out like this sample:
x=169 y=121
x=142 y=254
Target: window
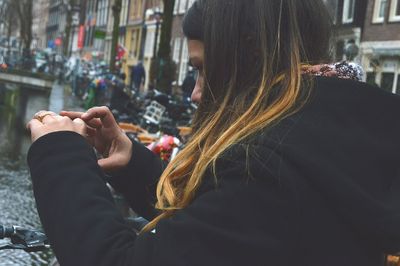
x=379 y=11
x=190 y=3
x=101 y=14
x=124 y=13
x=371 y=78
x=135 y=43
x=398 y=84
x=387 y=81
x=397 y=12
x=135 y=11
x=332 y=7
x=176 y=6
x=177 y=49
x=2 y=97
x=348 y=11
x=339 y=50
x=150 y=36
x=184 y=63
x=182 y=6
x=99 y=18
x=132 y=52
x=394 y=11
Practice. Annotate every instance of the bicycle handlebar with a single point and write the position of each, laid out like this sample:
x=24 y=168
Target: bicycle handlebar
x=6 y=232
x=28 y=240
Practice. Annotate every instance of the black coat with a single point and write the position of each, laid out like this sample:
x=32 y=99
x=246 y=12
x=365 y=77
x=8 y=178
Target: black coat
x=321 y=188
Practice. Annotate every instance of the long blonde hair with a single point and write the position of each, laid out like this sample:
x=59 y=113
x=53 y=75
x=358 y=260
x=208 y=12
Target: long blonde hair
x=252 y=68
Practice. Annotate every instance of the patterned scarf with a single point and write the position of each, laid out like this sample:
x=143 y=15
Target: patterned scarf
x=343 y=70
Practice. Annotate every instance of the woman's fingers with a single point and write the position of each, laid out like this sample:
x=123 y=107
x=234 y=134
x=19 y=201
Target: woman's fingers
x=95 y=122
x=44 y=116
x=81 y=126
x=119 y=156
x=49 y=119
x=91 y=132
x=103 y=113
x=79 y=121
x=41 y=114
x=34 y=123
x=34 y=126
x=71 y=114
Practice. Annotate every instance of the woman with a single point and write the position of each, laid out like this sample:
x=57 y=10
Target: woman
x=282 y=168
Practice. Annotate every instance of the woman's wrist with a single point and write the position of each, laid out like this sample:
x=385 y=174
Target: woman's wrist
x=128 y=150
x=120 y=156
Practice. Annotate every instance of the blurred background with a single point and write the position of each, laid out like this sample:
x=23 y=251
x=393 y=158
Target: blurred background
x=131 y=55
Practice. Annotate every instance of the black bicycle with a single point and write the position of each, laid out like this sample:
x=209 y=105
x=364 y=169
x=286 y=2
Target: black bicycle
x=25 y=239
x=32 y=240
x=35 y=240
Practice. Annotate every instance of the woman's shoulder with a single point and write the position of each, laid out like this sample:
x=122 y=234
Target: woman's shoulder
x=353 y=98
x=349 y=87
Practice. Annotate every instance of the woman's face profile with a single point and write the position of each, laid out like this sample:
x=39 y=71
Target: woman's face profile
x=196 y=59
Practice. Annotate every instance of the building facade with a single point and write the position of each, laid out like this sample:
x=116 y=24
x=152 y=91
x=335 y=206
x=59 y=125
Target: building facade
x=123 y=20
x=152 y=29
x=348 y=17
x=179 y=44
x=55 y=30
x=135 y=33
x=380 y=47
x=77 y=27
x=9 y=33
x=40 y=16
x=90 y=21
x=102 y=16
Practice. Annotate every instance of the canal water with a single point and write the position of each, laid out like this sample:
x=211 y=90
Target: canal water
x=17 y=205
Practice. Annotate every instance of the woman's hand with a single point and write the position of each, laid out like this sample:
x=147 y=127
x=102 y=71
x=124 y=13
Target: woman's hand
x=106 y=136
x=45 y=122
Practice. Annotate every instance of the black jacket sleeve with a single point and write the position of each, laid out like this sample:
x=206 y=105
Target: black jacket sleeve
x=73 y=202
x=138 y=181
x=85 y=228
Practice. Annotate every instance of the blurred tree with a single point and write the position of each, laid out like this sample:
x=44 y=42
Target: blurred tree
x=68 y=28
x=116 y=8
x=163 y=68
x=23 y=10
x=7 y=13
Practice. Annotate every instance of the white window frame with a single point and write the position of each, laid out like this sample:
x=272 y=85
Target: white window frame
x=176 y=7
x=190 y=3
x=177 y=50
x=329 y=5
x=124 y=13
x=376 y=18
x=394 y=4
x=346 y=8
x=150 y=39
x=182 y=6
x=184 y=63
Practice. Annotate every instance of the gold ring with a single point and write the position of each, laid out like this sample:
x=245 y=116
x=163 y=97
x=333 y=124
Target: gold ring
x=41 y=115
